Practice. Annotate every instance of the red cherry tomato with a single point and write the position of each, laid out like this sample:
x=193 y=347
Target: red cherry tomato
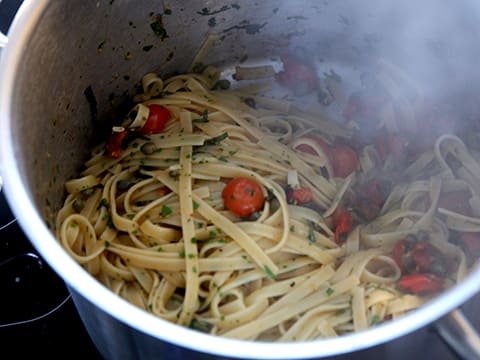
x=421 y=284
x=390 y=144
x=342 y=222
x=456 y=201
x=114 y=145
x=300 y=196
x=298 y=75
x=243 y=196
x=344 y=160
x=157 y=120
x=471 y=242
x=320 y=142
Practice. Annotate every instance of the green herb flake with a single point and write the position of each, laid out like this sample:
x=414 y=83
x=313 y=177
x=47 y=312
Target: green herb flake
x=329 y=291
x=165 y=211
x=223 y=158
x=158 y=28
x=194 y=240
x=195 y=204
x=107 y=244
x=194 y=269
x=217 y=139
x=374 y=320
x=292 y=228
x=181 y=254
x=311 y=233
x=103 y=202
x=269 y=272
x=201 y=325
x=203 y=119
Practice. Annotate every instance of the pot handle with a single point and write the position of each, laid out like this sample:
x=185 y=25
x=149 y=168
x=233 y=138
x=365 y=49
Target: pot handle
x=459 y=334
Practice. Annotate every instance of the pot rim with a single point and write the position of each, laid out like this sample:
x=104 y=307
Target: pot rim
x=20 y=200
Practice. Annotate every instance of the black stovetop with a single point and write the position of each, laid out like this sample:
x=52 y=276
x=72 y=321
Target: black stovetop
x=37 y=316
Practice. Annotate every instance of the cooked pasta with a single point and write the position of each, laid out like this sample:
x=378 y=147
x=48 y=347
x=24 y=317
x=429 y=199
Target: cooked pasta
x=148 y=216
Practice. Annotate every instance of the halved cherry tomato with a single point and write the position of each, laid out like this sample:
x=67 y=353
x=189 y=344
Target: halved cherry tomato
x=370 y=199
x=298 y=75
x=363 y=106
x=344 y=160
x=343 y=223
x=320 y=142
x=456 y=201
x=421 y=284
x=471 y=242
x=114 y=145
x=390 y=144
x=300 y=196
x=243 y=196
x=157 y=120
x=419 y=256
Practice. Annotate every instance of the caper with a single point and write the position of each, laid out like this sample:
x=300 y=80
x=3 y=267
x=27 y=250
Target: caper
x=173 y=174
x=78 y=205
x=223 y=84
x=422 y=235
x=123 y=184
x=88 y=192
x=148 y=148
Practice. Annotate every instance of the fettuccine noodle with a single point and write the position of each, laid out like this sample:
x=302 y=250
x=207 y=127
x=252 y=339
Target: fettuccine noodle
x=151 y=224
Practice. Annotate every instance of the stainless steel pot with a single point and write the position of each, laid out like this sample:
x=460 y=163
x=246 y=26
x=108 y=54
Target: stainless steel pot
x=58 y=49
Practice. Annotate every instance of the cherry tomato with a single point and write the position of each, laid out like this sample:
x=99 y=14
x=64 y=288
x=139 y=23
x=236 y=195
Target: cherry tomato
x=320 y=142
x=114 y=145
x=421 y=284
x=363 y=106
x=157 y=120
x=456 y=201
x=343 y=223
x=390 y=144
x=344 y=160
x=471 y=242
x=298 y=75
x=370 y=199
x=300 y=196
x=398 y=250
x=243 y=196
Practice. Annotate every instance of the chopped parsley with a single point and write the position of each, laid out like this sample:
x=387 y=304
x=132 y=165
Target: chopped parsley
x=329 y=291
x=158 y=28
x=269 y=272
x=311 y=233
x=217 y=139
x=196 y=205
x=203 y=119
x=165 y=211
x=374 y=320
x=201 y=325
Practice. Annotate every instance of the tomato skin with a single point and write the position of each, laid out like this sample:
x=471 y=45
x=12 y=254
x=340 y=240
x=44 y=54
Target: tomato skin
x=300 y=196
x=390 y=144
x=344 y=160
x=421 y=284
x=471 y=242
x=114 y=145
x=342 y=222
x=298 y=76
x=243 y=196
x=320 y=142
x=157 y=120
x=456 y=201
